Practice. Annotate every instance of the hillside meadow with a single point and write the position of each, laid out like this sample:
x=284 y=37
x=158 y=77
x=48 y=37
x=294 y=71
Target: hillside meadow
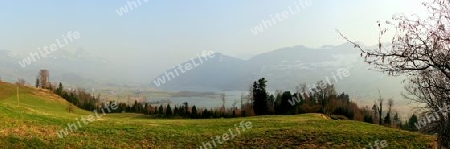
x=34 y=123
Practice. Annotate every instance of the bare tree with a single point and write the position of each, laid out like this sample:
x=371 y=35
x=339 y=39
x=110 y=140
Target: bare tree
x=250 y=97
x=250 y=94
x=420 y=50
x=298 y=91
x=20 y=82
x=390 y=104
x=278 y=93
x=222 y=98
x=325 y=92
x=304 y=92
x=234 y=107
x=242 y=104
x=70 y=107
x=234 y=103
x=37 y=82
x=380 y=108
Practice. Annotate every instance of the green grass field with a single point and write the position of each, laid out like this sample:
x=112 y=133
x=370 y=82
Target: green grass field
x=40 y=115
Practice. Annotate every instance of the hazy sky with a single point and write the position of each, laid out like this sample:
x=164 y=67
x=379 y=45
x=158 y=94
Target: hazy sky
x=169 y=32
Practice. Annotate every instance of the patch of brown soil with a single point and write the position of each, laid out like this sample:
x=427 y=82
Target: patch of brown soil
x=47 y=94
x=325 y=117
x=29 y=131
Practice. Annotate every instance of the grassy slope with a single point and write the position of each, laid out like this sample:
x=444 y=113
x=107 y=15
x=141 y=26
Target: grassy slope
x=41 y=114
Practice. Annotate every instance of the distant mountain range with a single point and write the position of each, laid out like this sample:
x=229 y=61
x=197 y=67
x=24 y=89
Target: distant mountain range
x=288 y=67
x=283 y=68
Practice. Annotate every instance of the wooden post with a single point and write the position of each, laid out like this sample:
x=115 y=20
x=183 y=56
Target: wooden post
x=18 y=105
x=436 y=145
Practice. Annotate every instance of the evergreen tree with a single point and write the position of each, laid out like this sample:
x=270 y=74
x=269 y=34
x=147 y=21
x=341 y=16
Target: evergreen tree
x=387 y=118
x=234 y=113
x=194 y=112
x=271 y=105
x=397 y=121
x=146 y=111
x=175 y=110
x=205 y=114
x=161 y=110
x=186 y=109
x=286 y=107
x=368 y=119
x=260 y=103
x=37 y=82
x=60 y=89
x=412 y=120
x=168 y=111
x=136 y=106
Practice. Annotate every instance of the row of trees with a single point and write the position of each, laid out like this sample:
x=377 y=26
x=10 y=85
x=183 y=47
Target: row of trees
x=84 y=100
x=324 y=99
x=320 y=99
x=178 y=111
x=77 y=97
